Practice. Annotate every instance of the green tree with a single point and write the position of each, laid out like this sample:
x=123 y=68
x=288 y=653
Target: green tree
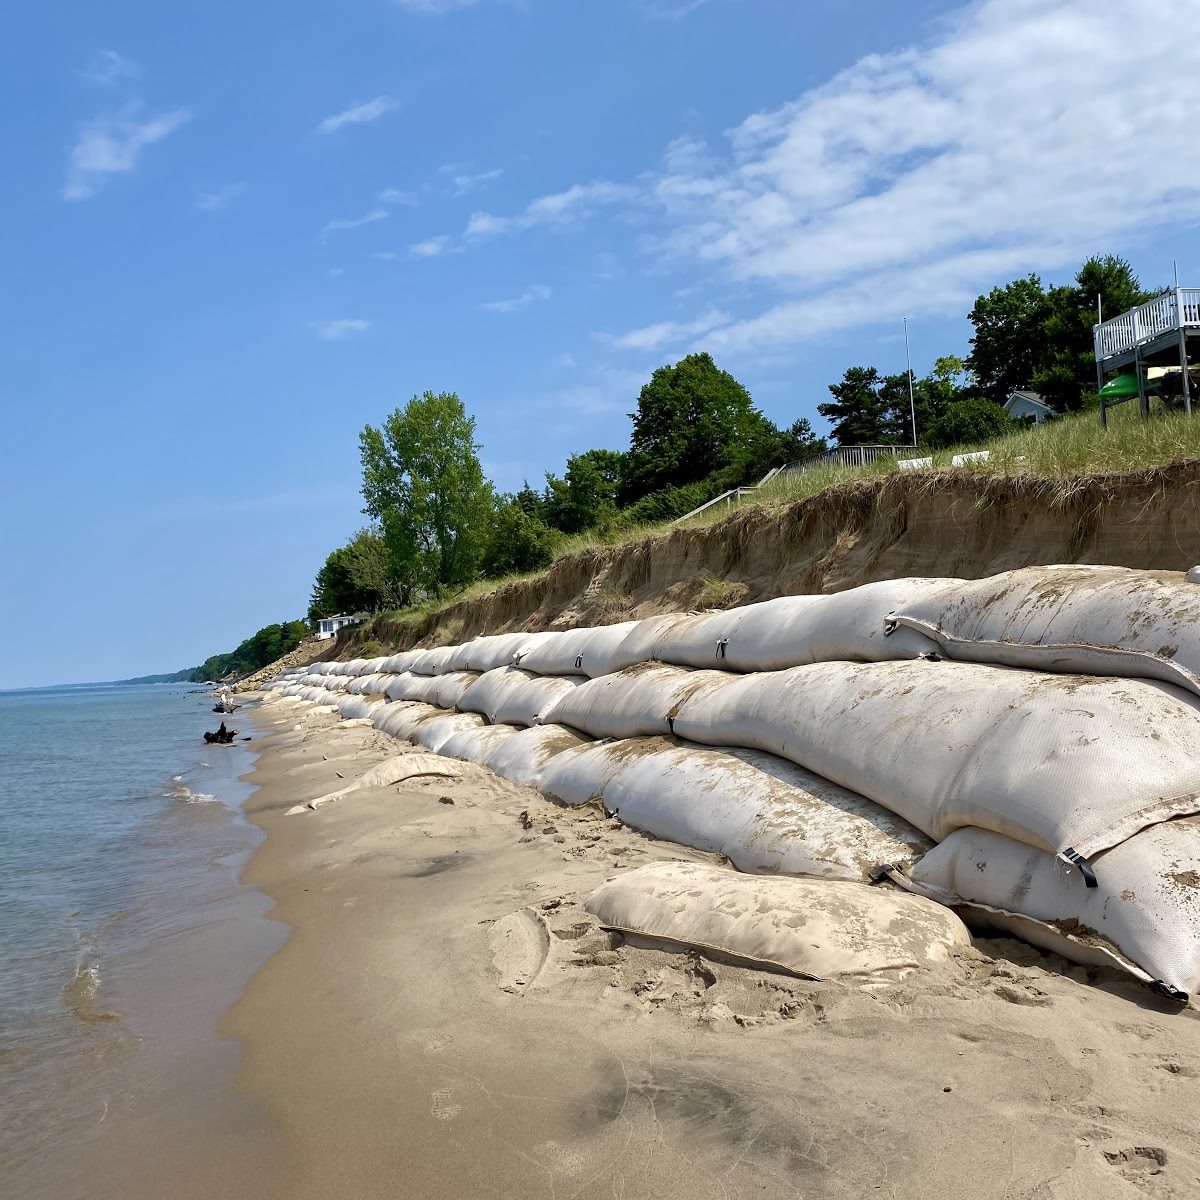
x=423 y=483
x=1009 y=346
x=861 y=413
x=1068 y=367
x=693 y=420
x=968 y=422
x=355 y=578
x=587 y=493
x=517 y=542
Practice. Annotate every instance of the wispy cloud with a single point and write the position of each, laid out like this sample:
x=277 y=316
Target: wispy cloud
x=468 y=183
x=385 y=255
x=219 y=199
x=430 y=247
x=376 y=214
x=106 y=67
x=668 y=333
x=359 y=114
x=111 y=145
x=559 y=208
x=336 y=331
x=913 y=180
x=538 y=291
x=397 y=196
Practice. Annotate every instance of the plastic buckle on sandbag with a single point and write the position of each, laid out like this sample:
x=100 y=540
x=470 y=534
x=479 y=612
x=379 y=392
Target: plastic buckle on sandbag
x=1159 y=988
x=890 y=625
x=885 y=873
x=928 y=655
x=721 y=647
x=579 y=662
x=1075 y=859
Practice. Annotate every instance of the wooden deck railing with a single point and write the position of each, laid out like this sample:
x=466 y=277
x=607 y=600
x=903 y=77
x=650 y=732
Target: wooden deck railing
x=1168 y=313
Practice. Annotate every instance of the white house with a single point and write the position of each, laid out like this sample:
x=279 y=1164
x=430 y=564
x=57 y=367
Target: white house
x=1024 y=404
x=328 y=627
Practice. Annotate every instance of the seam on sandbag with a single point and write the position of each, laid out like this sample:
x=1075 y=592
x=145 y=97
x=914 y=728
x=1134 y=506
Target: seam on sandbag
x=1120 y=831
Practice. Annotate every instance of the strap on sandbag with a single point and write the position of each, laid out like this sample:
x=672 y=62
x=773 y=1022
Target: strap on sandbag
x=516 y=658
x=721 y=647
x=928 y=655
x=1073 y=858
x=1159 y=988
x=890 y=625
x=893 y=873
x=579 y=662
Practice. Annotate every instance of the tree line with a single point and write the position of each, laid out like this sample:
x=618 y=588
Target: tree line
x=265 y=646
x=437 y=524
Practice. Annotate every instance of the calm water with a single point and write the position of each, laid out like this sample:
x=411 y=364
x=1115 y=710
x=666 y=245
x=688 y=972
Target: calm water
x=124 y=933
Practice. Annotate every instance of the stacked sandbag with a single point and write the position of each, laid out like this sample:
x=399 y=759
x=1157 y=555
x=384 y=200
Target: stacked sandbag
x=791 y=631
x=639 y=701
x=575 y=651
x=767 y=816
x=432 y=662
x=1077 y=619
x=435 y=732
x=401 y=719
x=523 y=757
x=352 y=708
x=1145 y=913
x=1068 y=764
x=814 y=928
x=474 y=745
x=512 y=696
x=441 y=690
x=495 y=650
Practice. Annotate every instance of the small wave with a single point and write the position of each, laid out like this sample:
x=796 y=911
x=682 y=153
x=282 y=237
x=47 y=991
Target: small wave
x=80 y=994
x=180 y=791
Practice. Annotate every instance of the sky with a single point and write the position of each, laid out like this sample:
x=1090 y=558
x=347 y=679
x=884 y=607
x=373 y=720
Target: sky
x=233 y=234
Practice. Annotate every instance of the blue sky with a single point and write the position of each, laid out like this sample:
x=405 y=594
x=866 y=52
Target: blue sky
x=233 y=234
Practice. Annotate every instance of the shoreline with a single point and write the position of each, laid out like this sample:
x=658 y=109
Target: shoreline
x=445 y=1019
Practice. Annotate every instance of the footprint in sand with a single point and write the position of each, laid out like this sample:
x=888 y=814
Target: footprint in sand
x=520 y=945
x=443 y=1108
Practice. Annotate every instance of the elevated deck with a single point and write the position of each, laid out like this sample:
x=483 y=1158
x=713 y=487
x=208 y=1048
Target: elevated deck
x=1159 y=325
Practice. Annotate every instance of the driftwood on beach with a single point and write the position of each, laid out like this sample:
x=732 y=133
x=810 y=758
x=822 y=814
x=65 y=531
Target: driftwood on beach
x=220 y=737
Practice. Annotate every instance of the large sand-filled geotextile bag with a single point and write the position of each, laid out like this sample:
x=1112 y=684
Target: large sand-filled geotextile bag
x=355 y=666
x=402 y=718
x=474 y=745
x=510 y=696
x=788 y=632
x=766 y=815
x=815 y=928
x=494 y=650
x=1067 y=763
x=355 y=707
x=400 y=662
x=574 y=651
x=434 y=733
x=433 y=662
x=522 y=757
x=385 y=774
x=442 y=690
x=1078 y=619
x=368 y=685
x=637 y=702
x=1145 y=914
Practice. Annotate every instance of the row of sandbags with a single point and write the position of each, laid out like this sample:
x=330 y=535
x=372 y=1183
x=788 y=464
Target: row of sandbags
x=1024 y=764
x=1097 y=620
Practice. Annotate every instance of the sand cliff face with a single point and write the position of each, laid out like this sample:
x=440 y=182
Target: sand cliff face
x=946 y=524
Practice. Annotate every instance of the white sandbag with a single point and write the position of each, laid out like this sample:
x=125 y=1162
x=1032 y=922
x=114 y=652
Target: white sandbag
x=401 y=719
x=1078 y=619
x=385 y=774
x=791 y=631
x=510 y=696
x=368 y=685
x=354 y=707
x=766 y=815
x=434 y=733
x=373 y=665
x=493 y=650
x=433 y=662
x=401 y=662
x=441 y=690
x=1145 y=915
x=814 y=928
x=575 y=651
x=474 y=745
x=637 y=702
x=522 y=757
x=1068 y=763
x=354 y=667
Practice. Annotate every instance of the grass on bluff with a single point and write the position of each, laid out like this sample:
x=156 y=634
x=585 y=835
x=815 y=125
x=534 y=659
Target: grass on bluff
x=1064 y=449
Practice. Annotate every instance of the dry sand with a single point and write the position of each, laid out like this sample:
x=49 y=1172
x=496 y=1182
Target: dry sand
x=446 y=1020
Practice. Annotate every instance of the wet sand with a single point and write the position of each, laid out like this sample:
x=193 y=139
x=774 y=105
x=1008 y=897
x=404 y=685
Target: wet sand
x=446 y=1020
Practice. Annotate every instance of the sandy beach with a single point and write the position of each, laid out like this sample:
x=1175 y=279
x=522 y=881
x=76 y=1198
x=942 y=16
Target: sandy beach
x=447 y=1020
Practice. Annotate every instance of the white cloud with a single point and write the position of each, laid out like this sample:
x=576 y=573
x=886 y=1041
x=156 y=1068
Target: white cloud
x=430 y=247
x=359 y=114
x=376 y=214
x=385 y=255
x=1030 y=134
x=560 y=208
x=396 y=196
x=220 y=199
x=538 y=291
x=111 y=145
x=468 y=183
x=669 y=333
x=106 y=67
x=335 y=331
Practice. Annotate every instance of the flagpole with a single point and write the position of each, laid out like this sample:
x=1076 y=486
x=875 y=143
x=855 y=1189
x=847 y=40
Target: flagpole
x=912 y=404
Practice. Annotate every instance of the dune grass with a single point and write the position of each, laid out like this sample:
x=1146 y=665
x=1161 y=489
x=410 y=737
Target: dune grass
x=1068 y=448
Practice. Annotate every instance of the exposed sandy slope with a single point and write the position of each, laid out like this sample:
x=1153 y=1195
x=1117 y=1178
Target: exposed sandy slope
x=446 y=1020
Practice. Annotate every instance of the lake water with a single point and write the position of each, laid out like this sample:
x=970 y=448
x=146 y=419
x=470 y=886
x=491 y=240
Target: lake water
x=124 y=934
